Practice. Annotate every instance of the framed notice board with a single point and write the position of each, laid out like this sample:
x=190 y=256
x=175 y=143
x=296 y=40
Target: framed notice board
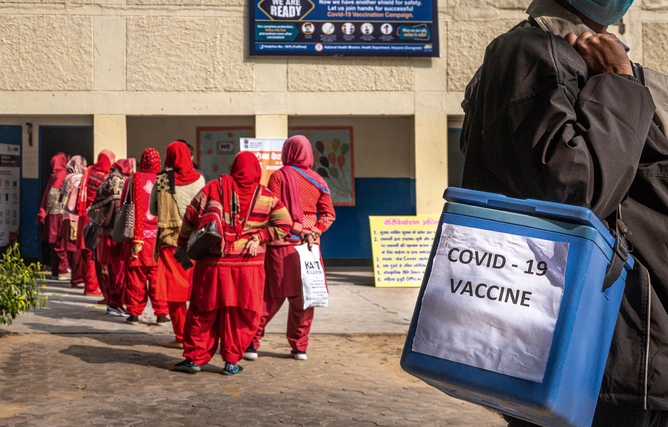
x=333 y=159
x=217 y=146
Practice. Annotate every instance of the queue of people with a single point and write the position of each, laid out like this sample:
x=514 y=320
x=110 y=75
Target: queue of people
x=229 y=296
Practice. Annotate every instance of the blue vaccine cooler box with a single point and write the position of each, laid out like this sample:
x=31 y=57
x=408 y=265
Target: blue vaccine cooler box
x=512 y=313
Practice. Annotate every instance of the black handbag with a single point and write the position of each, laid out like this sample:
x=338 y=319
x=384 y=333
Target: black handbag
x=98 y=218
x=182 y=258
x=203 y=240
x=91 y=234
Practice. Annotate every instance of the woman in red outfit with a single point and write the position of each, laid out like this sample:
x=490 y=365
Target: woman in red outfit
x=226 y=301
x=175 y=187
x=51 y=217
x=67 y=239
x=142 y=269
x=92 y=178
x=111 y=262
x=307 y=197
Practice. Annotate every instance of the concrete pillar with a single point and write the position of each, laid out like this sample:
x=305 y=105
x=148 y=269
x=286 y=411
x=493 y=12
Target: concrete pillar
x=431 y=162
x=271 y=126
x=110 y=132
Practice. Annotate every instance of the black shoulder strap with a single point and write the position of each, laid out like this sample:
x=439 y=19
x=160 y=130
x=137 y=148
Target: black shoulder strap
x=620 y=252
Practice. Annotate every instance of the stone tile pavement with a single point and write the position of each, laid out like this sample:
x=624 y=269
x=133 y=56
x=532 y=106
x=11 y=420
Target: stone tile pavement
x=71 y=364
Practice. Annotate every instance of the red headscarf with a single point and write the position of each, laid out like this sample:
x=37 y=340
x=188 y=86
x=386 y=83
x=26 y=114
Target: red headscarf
x=58 y=174
x=125 y=166
x=178 y=158
x=104 y=161
x=150 y=161
x=58 y=171
x=298 y=153
x=149 y=165
x=107 y=152
x=238 y=190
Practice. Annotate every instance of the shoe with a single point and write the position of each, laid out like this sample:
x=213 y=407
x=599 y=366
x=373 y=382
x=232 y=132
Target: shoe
x=162 y=320
x=93 y=294
x=250 y=354
x=117 y=311
x=187 y=366
x=101 y=302
x=299 y=355
x=78 y=286
x=133 y=320
x=173 y=344
x=232 y=369
x=64 y=277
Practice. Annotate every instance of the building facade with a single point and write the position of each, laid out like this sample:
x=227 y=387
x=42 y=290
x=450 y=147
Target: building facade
x=129 y=74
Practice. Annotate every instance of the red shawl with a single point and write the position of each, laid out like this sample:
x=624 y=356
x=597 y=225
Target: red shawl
x=297 y=152
x=179 y=159
x=101 y=168
x=238 y=190
x=58 y=174
x=149 y=165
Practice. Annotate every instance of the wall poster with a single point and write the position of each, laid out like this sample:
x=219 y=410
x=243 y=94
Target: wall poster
x=216 y=148
x=268 y=152
x=334 y=160
x=10 y=193
x=344 y=27
x=401 y=246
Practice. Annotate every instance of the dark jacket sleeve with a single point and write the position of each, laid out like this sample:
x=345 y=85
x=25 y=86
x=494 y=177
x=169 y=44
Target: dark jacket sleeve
x=543 y=129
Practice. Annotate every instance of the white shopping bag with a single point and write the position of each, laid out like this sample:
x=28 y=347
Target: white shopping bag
x=314 y=287
x=492 y=301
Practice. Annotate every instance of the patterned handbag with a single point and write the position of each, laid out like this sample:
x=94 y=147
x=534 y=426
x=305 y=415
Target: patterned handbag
x=124 y=225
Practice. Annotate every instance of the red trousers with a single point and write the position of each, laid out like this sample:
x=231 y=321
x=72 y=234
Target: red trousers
x=177 y=312
x=112 y=282
x=76 y=266
x=299 y=321
x=59 y=263
x=89 y=271
x=233 y=326
x=139 y=287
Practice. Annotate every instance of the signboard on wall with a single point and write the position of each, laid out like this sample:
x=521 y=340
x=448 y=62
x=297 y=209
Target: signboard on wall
x=268 y=152
x=216 y=148
x=10 y=193
x=334 y=160
x=400 y=246
x=344 y=27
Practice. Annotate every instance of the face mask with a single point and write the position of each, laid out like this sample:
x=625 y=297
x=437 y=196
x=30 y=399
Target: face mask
x=604 y=12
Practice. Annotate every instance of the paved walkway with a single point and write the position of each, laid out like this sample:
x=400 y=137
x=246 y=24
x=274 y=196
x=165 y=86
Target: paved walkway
x=71 y=364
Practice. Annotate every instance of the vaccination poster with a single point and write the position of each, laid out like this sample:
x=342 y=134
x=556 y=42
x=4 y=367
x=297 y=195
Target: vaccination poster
x=216 y=148
x=334 y=161
x=400 y=246
x=344 y=27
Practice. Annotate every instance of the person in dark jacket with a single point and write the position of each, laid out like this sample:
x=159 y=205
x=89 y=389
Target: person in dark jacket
x=558 y=112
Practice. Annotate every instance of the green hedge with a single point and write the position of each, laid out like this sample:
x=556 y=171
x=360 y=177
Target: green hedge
x=20 y=285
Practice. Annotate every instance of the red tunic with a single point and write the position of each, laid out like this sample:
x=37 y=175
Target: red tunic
x=145 y=256
x=282 y=261
x=173 y=282
x=235 y=279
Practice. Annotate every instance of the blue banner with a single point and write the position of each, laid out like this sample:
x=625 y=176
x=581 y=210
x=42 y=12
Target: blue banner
x=344 y=28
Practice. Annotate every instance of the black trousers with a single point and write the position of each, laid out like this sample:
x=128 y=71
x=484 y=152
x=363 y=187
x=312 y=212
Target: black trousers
x=613 y=416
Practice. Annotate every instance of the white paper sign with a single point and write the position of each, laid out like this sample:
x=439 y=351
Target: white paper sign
x=492 y=301
x=314 y=285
